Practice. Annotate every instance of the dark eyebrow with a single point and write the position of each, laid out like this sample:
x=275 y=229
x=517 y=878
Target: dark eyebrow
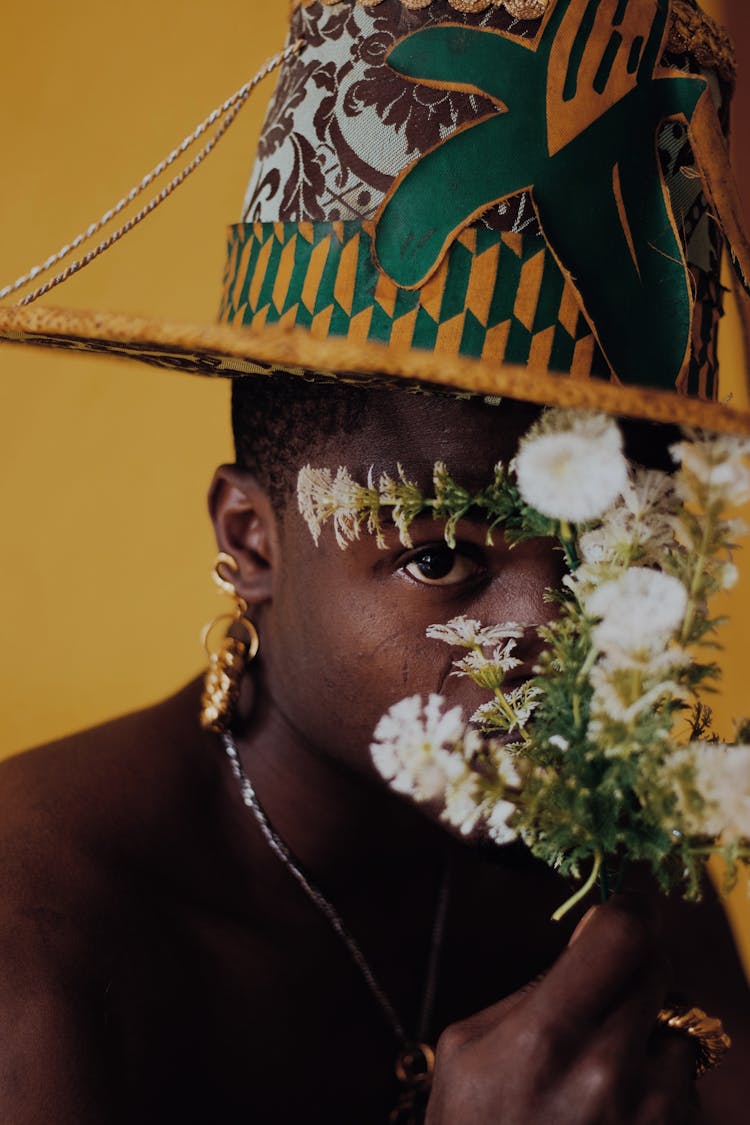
x=473 y=515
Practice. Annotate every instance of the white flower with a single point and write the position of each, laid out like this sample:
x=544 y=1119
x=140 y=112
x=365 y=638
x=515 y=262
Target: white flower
x=492 y=806
x=507 y=766
x=605 y=543
x=718 y=463
x=321 y=496
x=487 y=672
x=649 y=491
x=648 y=663
x=489 y=715
x=571 y=466
x=312 y=486
x=559 y=742
x=721 y=780
x=463 y=803
x=466 y=632
x=638 y=526
x=413 y=746
x=346 y=497
x=497 y=823
x=728 y=576
x=611 y=700
x=641 y=609
x=735 y=529
x=520 y=701
x=587 y=578
x=467 y=809
x=404 y=498
x=426 y=753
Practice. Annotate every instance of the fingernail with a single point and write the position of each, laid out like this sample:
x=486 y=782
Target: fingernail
x=582 y=924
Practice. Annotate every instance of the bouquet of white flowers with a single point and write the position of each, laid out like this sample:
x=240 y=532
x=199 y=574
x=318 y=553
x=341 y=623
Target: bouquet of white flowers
x=605 y=755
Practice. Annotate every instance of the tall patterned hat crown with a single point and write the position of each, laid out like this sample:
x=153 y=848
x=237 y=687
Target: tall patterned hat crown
x=522 y=197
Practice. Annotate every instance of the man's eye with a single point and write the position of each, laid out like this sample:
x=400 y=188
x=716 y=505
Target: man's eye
x=440 y=566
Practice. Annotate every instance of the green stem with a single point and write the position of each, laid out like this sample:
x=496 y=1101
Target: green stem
x=510 y=715
x=568 y=542
x=587 y=665
x=700 y=563
x=581 y=892
x=576 y=703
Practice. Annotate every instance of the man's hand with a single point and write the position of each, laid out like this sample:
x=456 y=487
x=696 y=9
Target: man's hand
x=581 y=1047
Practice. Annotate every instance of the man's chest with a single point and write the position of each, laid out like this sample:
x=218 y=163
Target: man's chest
x=233 y=1021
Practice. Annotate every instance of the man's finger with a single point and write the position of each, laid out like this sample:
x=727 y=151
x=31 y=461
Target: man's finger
x=609 y=955
x=669 y=1093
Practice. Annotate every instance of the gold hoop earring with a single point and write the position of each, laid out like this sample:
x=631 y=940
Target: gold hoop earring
x=226 y=665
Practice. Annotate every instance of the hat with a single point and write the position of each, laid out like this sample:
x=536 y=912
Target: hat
x=497 y=197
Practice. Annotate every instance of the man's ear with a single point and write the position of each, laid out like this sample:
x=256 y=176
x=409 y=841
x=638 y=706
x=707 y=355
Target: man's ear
x=246 y=528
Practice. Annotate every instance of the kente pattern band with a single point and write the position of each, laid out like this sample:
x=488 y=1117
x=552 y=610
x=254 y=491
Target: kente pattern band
x=497 y=295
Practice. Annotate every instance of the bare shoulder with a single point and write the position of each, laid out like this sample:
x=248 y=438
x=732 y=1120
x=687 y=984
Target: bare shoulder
x=87 y=801
x=78 y=814
x=92 y=830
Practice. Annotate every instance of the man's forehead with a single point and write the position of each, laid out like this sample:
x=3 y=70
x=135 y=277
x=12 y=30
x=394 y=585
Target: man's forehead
x=470 y=435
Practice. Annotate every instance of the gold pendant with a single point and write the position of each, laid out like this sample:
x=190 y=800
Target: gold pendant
x=414 y=1067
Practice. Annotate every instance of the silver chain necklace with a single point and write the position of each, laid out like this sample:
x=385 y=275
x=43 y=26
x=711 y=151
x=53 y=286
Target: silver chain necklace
x=415 y=1061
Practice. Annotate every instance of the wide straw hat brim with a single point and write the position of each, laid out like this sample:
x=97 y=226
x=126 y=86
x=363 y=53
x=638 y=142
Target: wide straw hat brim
x=231 y=352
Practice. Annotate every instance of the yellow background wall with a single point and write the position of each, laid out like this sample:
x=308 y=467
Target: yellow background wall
x=104 y=545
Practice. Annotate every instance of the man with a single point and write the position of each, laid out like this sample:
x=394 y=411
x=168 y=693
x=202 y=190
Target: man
x=173 y=966
x=160 y=963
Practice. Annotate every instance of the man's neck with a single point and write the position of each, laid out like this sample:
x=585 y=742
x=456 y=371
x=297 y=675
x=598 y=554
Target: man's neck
x=344 y=826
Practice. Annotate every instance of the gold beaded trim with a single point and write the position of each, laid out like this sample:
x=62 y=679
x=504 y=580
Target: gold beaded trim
x=520 y=9
x=697 y=34
x=692 y=31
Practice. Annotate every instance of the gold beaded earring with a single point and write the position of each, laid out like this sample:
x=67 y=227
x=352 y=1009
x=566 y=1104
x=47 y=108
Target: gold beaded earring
x=226 y=666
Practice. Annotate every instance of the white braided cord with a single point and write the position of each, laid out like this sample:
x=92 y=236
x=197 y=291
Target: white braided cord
x=224 y=114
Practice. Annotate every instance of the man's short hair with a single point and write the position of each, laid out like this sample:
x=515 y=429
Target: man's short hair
x=279 y=420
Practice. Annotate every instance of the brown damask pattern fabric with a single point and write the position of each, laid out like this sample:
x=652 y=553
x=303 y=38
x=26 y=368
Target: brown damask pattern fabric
x=342 y=125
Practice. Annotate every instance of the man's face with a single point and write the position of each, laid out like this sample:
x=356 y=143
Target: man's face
x=344 y=634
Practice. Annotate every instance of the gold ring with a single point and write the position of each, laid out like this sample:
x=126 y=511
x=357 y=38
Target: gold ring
x=711 y=1040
